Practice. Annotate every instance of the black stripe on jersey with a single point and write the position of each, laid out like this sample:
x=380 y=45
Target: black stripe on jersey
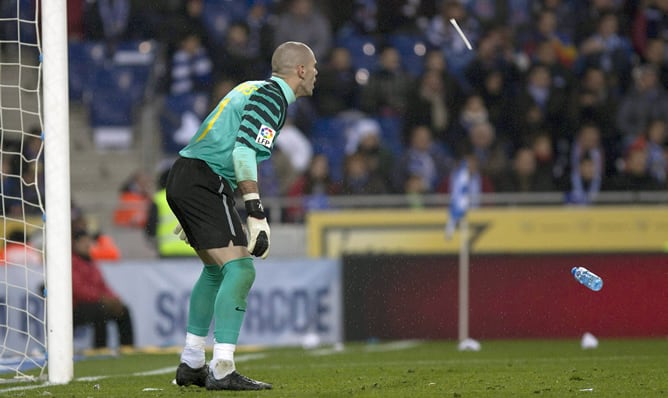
x=246 y=143
x=262 y=114
x=248 y=131
x=270 y=103
x=274 y=92
x=284 y=102
x=250 y=118
x=251 y=146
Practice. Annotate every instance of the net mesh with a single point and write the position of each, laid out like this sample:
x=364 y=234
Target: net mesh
x=22 y=272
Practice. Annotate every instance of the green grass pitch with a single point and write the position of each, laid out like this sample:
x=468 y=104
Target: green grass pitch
x=526 y=368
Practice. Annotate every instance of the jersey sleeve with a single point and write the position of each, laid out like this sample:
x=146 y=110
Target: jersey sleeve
x=261 y=120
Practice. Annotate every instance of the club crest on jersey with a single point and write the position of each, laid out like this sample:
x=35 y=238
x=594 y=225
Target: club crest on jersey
x=265 y=136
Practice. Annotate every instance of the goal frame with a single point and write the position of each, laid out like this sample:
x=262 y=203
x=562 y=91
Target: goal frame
x=60 y=351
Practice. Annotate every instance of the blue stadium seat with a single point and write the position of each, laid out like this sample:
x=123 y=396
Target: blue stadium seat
x=328 y=137
x=110 y=102
x=391 y=129
x=363 y=50
x=412 y=48
x=83 y=58
x=172 y=119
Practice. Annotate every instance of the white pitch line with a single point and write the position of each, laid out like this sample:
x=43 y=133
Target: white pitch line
x=240 y=358
x=394 y=346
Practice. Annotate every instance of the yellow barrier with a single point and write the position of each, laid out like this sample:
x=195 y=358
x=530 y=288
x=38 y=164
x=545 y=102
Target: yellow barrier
x=8 y=225
x=493 y=230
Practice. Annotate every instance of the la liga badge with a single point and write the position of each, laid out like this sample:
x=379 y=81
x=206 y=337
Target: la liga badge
x=265 y=136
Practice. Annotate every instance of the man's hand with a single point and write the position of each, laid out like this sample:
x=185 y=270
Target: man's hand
x=178 y=230
x=258 y=228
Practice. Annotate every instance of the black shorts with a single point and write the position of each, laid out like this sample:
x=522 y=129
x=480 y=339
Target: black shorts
x=203 y=202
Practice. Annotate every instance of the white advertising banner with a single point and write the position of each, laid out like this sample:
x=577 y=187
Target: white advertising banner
x=290 y=300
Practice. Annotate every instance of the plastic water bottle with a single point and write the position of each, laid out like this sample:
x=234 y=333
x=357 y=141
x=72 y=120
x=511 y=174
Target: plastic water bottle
x=587 y=278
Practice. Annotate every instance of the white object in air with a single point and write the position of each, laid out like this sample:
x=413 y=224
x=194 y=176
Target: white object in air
x=459 y=30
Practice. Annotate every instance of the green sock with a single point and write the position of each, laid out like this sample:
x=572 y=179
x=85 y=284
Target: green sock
x=202 y=300
x=238 y=277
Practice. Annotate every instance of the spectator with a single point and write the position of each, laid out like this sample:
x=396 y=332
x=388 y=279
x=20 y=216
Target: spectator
x=608 y=49
x=635 y=175
x=133 y=201
x=424 y=158
x=304 y=23
x=107 y=20
x=473 y=112
x=236 y=59
x=489 y=150
x=358 y=179
x=594 y=102
x=178 y=17
x=496 y=94
x=386 y=92
x=395 y=16
x=563 y=11
x=337 y=88
x=657 y=158
x=313 y=187
x=94 y=302
x=491 y=58
x=20 y=252
x=540 y=96
x=584 y=184
x=562 y=75
x=191 y=67
x=276 y=175
x=427 y=104
x=364 y=138
x=647 y=101
x=547 y=30
x=161 y=222
x=442 y=35
x=588 y=141
x=656 y=54
x=650 y=24
x=434 y=60
x=523 y=176
x=543 y=150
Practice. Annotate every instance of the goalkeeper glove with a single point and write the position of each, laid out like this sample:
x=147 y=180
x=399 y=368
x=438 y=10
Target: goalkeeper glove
x=178 y=230
x=258 y=228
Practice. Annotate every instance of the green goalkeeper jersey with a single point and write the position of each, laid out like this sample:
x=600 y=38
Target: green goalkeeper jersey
x=251 y=115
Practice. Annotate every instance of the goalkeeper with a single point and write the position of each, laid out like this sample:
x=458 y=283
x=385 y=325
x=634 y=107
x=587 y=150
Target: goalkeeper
x=221 y=157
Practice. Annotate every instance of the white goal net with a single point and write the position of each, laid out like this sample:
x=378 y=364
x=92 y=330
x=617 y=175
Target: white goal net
x=23 y=234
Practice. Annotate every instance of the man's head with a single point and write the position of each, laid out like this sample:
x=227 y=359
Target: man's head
x=82 y=242
x=295 y=63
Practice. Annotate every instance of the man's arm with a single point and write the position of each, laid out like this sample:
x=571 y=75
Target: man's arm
x=245 y=169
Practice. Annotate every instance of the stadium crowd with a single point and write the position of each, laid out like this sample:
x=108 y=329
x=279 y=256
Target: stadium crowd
x=556 y=95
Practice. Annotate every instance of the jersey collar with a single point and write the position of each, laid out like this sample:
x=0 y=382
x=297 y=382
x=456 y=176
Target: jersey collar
x=287 y=91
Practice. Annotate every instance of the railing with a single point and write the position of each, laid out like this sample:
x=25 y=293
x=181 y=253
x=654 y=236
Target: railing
x=276 y=205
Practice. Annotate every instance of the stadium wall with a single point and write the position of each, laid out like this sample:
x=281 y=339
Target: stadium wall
x=511 y=296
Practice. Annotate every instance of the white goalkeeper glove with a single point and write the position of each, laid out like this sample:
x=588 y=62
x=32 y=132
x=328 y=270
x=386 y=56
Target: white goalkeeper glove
x=258 y=228
x=178 y=230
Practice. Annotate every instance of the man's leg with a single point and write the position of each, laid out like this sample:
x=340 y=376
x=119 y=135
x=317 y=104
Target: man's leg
x=125 y=332
x=238 y=278
x=192 y=369
x=92 y=314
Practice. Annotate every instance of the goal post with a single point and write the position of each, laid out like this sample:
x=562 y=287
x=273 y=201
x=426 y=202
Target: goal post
x=60 y=352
